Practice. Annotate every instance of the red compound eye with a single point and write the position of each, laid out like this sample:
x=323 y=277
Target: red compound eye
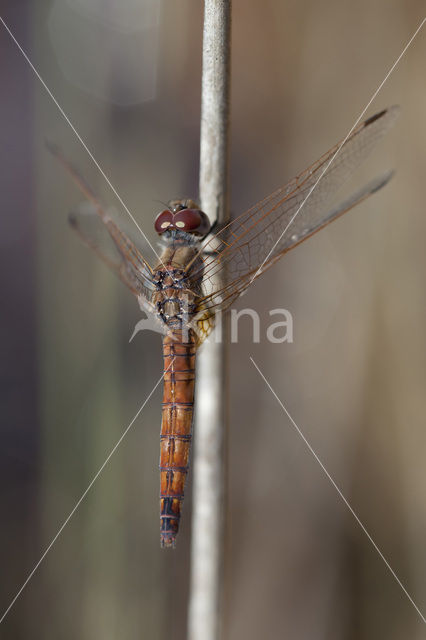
x=163 y=221
x=192 y=221
x=188 y=220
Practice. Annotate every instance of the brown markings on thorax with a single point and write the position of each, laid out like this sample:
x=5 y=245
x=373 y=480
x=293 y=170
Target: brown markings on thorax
x=177 y=293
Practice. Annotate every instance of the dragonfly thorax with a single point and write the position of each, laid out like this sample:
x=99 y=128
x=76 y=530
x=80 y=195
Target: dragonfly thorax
x=175 y=302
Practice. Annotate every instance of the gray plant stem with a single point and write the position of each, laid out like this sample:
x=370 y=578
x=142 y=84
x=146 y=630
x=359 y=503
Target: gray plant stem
x=207 y=548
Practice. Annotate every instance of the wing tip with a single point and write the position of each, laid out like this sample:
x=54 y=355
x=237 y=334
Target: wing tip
x=382 y=181
x=391 y=112
x=72 y=219
x=52 y=147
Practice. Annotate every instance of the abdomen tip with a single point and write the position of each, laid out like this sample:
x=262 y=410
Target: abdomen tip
x=168 y=540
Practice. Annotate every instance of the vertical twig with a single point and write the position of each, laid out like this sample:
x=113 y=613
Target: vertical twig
x=211 y=409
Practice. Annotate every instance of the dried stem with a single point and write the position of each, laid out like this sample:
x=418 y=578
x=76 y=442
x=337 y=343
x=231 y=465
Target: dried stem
x=211 y=402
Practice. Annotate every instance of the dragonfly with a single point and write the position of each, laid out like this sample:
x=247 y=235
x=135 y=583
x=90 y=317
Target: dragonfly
x=202 y=269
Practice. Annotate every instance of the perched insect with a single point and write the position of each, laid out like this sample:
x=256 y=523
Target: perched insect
x=202 y=271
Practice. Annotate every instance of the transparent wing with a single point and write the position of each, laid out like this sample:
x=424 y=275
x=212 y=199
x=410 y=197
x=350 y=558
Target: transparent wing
x=252 y=242
x=219 y=301
x=114 y=248
x=98 y=230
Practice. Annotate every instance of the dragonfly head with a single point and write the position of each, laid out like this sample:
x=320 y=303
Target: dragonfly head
x=185 y=216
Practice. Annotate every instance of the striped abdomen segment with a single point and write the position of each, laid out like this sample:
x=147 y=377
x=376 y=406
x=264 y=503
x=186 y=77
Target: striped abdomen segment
x=176 y=427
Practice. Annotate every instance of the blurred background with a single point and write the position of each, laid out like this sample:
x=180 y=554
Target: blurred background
x=297 y=563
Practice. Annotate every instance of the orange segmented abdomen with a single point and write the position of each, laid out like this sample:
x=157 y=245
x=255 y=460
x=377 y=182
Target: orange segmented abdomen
x=176 y=428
